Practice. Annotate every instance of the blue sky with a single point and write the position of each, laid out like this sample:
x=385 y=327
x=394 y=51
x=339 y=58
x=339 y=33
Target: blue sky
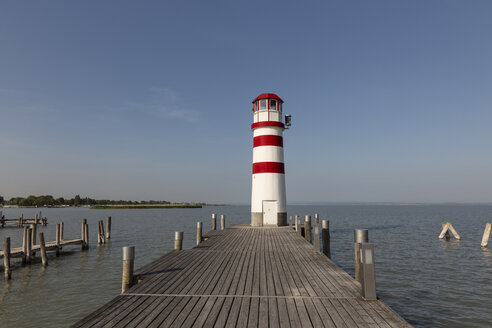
x=391 y=100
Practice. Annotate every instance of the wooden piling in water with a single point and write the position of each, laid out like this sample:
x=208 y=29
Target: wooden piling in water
x=316 y=218
x=446 y=227
x=128 y=260
x=86 y=236
x=307 y=227
x=325 y=237
x=222 y=222
x=108 y=227
x=6 y=258
x=198 y=233
x=101 y=237
x=360 y=236
x=82 y=232
x=24 y=246
x=62 y=228
x=33 y=237
x=58 y=239
x=42 y=247
x=178 y=240
x=214 y=221
x=486 y=235
x=29 y=246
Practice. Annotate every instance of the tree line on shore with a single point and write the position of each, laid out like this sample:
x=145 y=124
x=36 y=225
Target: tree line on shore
x=48 y=200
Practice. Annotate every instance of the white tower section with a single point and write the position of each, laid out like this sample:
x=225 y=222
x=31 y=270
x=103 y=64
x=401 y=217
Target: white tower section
x=268 y=201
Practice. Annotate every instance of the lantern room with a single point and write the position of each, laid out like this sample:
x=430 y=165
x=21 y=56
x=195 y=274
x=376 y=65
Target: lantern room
x=267 y=107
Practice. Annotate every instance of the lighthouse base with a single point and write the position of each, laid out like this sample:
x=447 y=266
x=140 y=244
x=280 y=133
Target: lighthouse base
x=257 y=219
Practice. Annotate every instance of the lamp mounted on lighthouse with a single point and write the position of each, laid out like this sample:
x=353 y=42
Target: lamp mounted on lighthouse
x=268 y=201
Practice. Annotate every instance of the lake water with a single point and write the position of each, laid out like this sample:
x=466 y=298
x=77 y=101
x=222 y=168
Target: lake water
x=429 y=282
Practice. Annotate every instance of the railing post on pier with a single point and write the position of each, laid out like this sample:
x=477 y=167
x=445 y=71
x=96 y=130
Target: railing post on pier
x=58 y=239
x=199 y=232
x=360 y=236
x=33 y=236
x=214 y=221
x=29 y=246
x=325 y=237
x=6 y=258
x=307 y=227
x=316 y=243
x=368 y=284
x=290 y=221
x=178 y=240
x=128 y=260
x=222 y=222
x=296 y=227
x=316 y=218
x=24 y=246
x=299 y=225
x=108 y=227
x=42 y=247
x=486 y=235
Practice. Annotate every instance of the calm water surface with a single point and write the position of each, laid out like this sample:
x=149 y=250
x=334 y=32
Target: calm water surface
x=431 y=283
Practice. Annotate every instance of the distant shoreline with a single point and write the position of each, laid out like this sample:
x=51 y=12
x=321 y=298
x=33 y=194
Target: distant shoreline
x=143 y=206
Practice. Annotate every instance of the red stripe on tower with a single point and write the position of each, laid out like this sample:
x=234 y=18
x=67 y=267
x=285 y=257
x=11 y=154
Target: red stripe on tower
x=268 y=167
x=268 y=140
x=266 y=124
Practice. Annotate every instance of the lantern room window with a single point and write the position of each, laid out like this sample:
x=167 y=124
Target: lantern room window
x=273 y=104
x=263 y=104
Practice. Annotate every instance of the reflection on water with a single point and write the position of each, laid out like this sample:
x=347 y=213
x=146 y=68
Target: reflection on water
x=430 y=282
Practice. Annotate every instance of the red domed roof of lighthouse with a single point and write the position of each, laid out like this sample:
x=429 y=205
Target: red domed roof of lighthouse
x=268 y=96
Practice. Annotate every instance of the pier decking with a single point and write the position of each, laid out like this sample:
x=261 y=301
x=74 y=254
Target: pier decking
x=244 y=277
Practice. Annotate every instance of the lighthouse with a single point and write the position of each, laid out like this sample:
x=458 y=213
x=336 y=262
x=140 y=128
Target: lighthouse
x=268 y=201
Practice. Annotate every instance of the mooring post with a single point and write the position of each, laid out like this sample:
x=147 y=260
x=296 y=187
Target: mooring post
x=325 y=237
x=128 y=260
x=36 y=218
x=6 y=258
x=178 y=240
x=214 y=221
x=33 y=237
x=316 y=242
x=486 y=235
x=62 y=226
x=360 y=236
x=29 y=246
x=368 y=275
x=42 y=247
x=299 y=225
x=316 y=218
x=86 y=236
x=307 y=227
x=290 y=221
x=296 y=226
x=108 y=227
x=82 y=233
x=198 y=233
x=58 y=239
x=222 y=221
x=101 y=233
x=24 y=245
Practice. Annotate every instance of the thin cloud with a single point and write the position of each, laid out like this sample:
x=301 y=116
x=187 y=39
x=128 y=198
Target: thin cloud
x=166 y=92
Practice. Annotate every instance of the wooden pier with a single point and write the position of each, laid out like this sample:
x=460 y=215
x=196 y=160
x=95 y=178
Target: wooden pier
x=244 y=277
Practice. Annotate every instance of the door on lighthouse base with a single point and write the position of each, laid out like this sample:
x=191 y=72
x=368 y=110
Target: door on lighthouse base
x=269 y=212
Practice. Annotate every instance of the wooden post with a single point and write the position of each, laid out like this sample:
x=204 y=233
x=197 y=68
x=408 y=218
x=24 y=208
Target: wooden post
x=6 y=258
x=368 y=275
x=101 y=238
x=86 y=236
x=62 y=226
x=360 y=236
x=296 y=228
x=24 y=246
x=108 y=227
x=214 y=221
x=325 y=237
x=445 y=233
x=316 y=243
x=58 y=239
x=42 y=246
x=198 y=233
x=22 y=219
x=290 y=221
x=29 y=246
x=316 y=218
x=299 y=225
x=222 y=222
x=36 y=218
x=33 y=236
x=82 y=233
x=486 y=235
x=128 y=259
x=178 y=240
x=307 y=227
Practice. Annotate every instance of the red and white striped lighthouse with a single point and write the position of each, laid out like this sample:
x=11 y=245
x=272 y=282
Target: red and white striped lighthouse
x=268 y=201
